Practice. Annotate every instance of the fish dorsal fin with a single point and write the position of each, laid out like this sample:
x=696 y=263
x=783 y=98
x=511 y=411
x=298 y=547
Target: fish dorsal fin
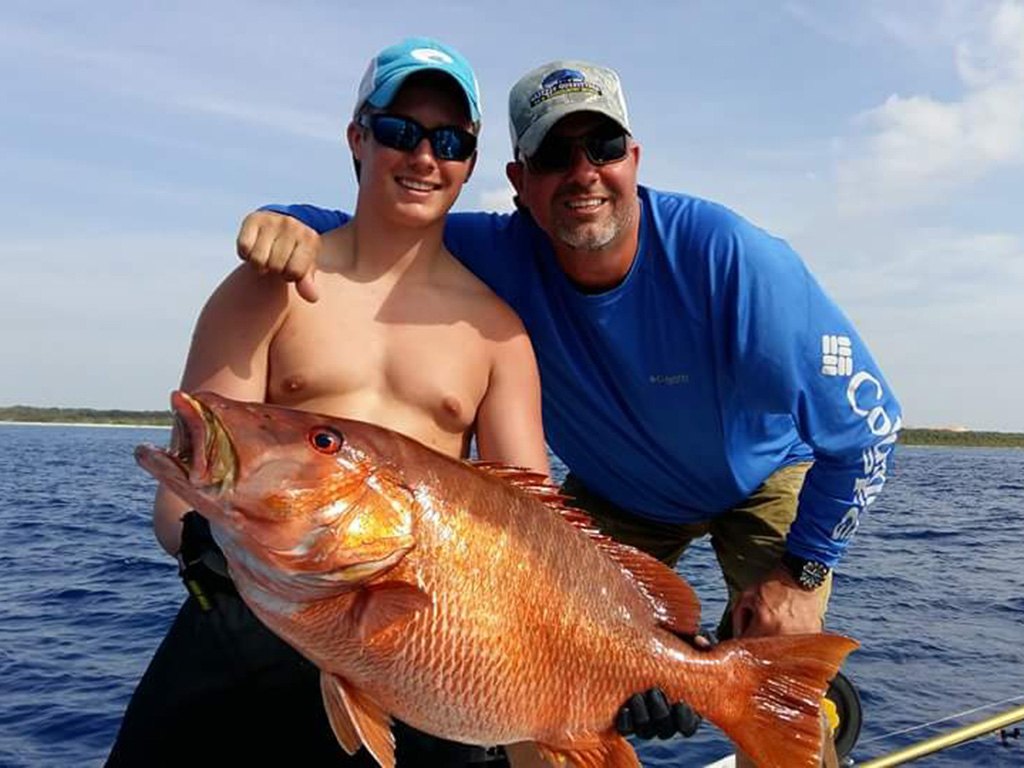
x=675 y=604
x=357 y=720
x=534 y=483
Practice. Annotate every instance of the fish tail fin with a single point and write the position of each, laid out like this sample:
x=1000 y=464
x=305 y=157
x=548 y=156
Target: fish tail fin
x=776 y=716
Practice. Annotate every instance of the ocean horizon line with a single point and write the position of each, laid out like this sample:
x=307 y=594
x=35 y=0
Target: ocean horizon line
x=73 y=416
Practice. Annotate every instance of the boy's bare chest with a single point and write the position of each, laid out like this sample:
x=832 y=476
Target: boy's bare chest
x=387 y=361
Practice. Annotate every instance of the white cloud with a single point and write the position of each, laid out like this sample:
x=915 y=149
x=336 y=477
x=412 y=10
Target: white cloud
x=928 y=276
x=167 y=81
x=940 y=309
x=296 y=122
x=918 y=148
x=498 y=199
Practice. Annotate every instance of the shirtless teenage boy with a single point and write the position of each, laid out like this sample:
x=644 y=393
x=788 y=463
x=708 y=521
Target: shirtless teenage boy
x=403 y=336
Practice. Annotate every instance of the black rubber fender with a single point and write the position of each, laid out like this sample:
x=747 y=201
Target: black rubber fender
x=843 y=693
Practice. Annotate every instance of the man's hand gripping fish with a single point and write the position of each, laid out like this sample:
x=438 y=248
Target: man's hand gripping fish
x=465 y=599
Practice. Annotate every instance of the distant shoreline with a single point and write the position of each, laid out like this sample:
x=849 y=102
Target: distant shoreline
x=949 y=438
x=88 y=417
x=74 y=417
x=118 y=425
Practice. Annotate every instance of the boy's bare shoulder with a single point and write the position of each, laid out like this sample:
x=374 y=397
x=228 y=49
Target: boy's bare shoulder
x=494 y=317
x=336 y=249
x=245 y=291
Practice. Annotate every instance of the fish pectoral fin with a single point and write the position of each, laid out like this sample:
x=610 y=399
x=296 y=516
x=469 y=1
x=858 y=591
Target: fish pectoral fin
x=379 y=606
x=337 y=714
x=357 y=720
x=608 y=751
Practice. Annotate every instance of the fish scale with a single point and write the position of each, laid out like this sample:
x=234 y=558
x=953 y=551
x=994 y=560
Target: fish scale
x=464 y=600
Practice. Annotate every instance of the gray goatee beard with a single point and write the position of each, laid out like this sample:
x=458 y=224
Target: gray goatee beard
x=599 y=235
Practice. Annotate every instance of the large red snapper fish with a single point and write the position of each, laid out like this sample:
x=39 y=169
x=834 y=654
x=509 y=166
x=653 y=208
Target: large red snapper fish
x=464 y=599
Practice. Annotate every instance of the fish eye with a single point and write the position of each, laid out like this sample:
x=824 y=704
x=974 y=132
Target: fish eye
x=325 y=440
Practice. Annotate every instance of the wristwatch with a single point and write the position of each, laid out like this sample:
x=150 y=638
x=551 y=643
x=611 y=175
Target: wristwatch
x=809 y=574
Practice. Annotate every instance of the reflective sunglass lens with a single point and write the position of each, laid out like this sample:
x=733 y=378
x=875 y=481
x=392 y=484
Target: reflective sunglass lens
x=396 y=133
x=452 y=143
x=403 y=134
x=606 y=149
x=555 y=152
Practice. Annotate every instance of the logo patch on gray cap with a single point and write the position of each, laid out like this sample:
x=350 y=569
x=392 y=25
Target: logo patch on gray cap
x=563 y=81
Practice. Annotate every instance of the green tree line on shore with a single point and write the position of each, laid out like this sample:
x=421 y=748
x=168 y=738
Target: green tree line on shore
x=25 y=413
x=964 y=438
x=85 y=416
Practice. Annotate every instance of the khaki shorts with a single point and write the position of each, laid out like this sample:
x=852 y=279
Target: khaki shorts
x=748 y=539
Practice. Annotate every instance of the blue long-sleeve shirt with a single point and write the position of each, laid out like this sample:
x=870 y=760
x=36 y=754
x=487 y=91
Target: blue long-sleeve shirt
x=716 y=361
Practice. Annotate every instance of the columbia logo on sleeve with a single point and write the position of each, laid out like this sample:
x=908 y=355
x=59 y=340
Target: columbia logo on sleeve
x=836 y=355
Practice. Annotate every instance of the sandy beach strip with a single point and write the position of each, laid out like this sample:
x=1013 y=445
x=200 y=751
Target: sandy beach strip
x=81 y=424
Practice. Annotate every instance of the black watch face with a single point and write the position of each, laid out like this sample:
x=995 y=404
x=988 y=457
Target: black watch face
x=813 y=574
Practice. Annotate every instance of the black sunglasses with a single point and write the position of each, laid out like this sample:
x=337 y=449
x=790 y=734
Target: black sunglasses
x=449 y=142
x=602 y=146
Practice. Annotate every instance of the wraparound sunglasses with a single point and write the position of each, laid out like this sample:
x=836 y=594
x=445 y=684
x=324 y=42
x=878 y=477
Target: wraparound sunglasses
x=601 y=147
x=449 y=142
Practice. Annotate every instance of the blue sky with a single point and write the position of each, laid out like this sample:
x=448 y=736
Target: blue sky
x=884 y=140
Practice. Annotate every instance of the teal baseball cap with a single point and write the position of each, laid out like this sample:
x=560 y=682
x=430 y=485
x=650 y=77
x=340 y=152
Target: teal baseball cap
x=389 y=69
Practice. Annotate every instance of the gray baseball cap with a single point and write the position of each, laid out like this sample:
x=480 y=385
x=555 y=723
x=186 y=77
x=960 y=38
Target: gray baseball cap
x=545 y=95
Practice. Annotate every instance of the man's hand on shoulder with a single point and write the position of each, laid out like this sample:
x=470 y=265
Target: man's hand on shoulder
x=278 y=244
x=777 y=606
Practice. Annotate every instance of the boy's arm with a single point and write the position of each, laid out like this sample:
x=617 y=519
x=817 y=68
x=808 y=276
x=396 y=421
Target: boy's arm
x=228 y=355
x=509 y=427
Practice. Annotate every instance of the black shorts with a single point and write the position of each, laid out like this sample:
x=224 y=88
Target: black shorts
x=224 y=690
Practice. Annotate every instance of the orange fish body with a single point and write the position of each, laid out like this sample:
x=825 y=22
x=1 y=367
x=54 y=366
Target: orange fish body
x=463 y=599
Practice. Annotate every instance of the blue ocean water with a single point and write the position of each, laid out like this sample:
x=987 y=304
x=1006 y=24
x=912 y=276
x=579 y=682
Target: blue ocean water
x=933 y=587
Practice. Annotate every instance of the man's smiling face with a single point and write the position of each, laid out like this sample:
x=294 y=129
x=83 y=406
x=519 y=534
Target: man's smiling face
x=587 y=207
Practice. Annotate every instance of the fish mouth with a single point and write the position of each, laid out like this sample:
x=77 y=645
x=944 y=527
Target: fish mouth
x=202 y=445
x=201 y=452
